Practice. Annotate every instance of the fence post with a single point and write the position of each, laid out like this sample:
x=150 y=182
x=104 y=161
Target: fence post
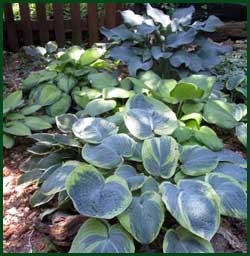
x=42 y=23
x=26 y=24
x=76 y=23
x=92 y=23
x=110 y=15
x=10 y=27
x=59 y=24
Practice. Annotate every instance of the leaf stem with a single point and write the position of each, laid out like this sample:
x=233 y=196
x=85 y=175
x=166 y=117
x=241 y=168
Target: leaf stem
x=179 y=109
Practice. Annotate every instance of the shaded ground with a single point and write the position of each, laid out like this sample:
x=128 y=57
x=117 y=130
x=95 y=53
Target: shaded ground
x=19 y=219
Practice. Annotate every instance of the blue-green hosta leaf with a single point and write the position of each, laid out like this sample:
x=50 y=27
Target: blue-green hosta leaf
x=183 y=16
x=90 y=56
x=150 y=185
x=209 y=25
x=65 y=82
x=17 y=128
x=99 y=106
x=145 y=29
x=157 y=53
x=209 y=138
x=67 y=140
x=93 y=130
x=40 y=149
x=44 y=138
x=194 y=204
x=137 y=152
x=220 y=113
x=197 y=160
x=183 y=133
x=110 y=93
x=30 y=109
x=241 y=133
x=60 y=107
x=232 y=196
x=30 y=164
x=56 y=181
x=192 y=120
x=102 y=80
x=144 y=217
x=12 y=116
x=239 y=111
x=145 y=116
x=189 y=107
x=160 y=156
x=8 y=141
x=65 y=122
x=129 y=173
x=38 y=77
x=97 y=236
x=47 y=95
x=149 y=79
x=233 y=170
x=178 y=39
x=109 y=154
x=12 y=101
x=227 y=155
x=132 y=19
x=235 y=80
x=117 y=33
x=46 y=173
x=96 y=197
x=182 y=241
x=29 y=177
x=38 y=199
x=158 y=16
x=36 y=123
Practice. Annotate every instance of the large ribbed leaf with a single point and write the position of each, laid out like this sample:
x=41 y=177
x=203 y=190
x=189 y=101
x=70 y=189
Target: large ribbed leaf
x=197 y=160
x=98 y=236
x=102 y=80
x=65 y=82
x=158 y=16
x=160 y=156
x=232 y=196
x=17 y=128
x=182 y=241
x=93 y=130
x=144 y=217
x=117 y=33
x=36 y=123
x=110 y=93
x=8 y=141
x=227 y=155
x=194 y=204
x=60 y=107
x=94 y=196
x=109 y=154
x=65 y=122
x=175 y=40
x=90 y=56
x=12 y=101
x=145 y=116
x=99 y=106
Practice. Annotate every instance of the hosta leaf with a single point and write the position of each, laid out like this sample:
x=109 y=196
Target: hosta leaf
x=30 y=164
x=144 y=217
x=60 y=107
x=12 y=101
x=40 y=149
x=150 y=185
x=36 y=123
x=17 y=128
x=96 y=197
x=110 y=93
x=129 y=173
x=14 y=116
x=183 y=133
x=241 y=133
x=239 y=111
x=232 y=196
x=30 y=109
x=150 y=79
x=194 y=204
x=99 y=106
x=227 y=155
x=178 y=39
x=38 y=77
x=117 y=33
x=67 y=140
x=93 y=130
x=145 y=29
x=183 y=16
x=102 y=80
x=182 y=241
x=189 y=107
x=8 y=141
x=44 y=138
x=97 y=236
x=160 y=156
x=233 y=170
x=137 y=152
x=38 y=199
x=109 y=153
x=145 y=116
x=90 y=56
x=47 y=95
x=209 y=25
x=235 y=81
x=132 y=19
x=65 y=122
x=197 y=160
x=220 y=113
x=209 y=138
x=29 y=177
x=65 y=82
x=158 y=16
x=157 y=53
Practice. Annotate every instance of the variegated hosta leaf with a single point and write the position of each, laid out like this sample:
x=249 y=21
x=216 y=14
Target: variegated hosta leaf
x=241 y=133
x=194 y=204
x=67 y=140
x=209 y=25
x=96 y=197
x=12 y=101
x=137 y=152
x=36 y=123
x=90 y=56
x=183 y=16
x=99 y=106
x=160 y=156
x=110 y=93
x=40 y=149
x=65 y=122
x=38 y=199
x=98 y=236
x=17 y=128
x=145 y=116
x=233 y=170
x=129 y=173
x=8 y=141
x=44 y=138
x=182 y=241
x=102 y=80
x=150 y=185
x=175 y=40
x=109 y=154
x=158 y=16
x=93 y=130
x=227 y=155
x=132 y=19
x=60 y=107
x=232 y=196
x=197 y=160
x=144 y=217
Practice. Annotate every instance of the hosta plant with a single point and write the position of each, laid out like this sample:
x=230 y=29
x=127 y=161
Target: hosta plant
x=127 y=173
x=168 y=45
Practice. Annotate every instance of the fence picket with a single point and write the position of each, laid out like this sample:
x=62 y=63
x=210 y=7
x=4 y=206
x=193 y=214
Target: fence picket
x=92 y=23
x=76 y=23
x=42 y=21
x=59 y=24
x=26 y=24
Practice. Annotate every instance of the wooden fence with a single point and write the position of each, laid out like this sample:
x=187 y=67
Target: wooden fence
x=27 y=31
